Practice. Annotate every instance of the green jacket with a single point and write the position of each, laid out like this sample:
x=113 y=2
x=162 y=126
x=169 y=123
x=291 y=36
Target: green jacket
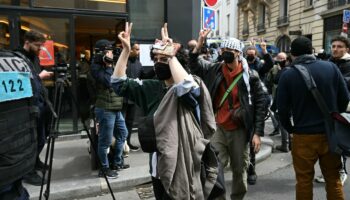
x=108 y=99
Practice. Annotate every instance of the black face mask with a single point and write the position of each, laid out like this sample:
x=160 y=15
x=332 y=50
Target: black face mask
x=107 y=59
x=250 y=58
x=162 y=71
x=281 y=63
x=228 y=57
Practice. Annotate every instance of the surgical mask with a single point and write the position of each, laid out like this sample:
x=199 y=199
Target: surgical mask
x=162 y=71
x=250 y=58
x=228 y=57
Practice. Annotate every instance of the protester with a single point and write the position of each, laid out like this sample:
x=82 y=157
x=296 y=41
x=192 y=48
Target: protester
x=341 y=57
x=108 y=111
x=240 y=117
x=272 y=80
x=309 y=139
x=180 y=138
x=133 y=70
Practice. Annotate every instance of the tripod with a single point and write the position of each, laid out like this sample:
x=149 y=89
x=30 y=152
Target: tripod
x=53 y=133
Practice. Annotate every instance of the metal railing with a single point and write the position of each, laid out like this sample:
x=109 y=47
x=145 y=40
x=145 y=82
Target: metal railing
x=282 y=20
x=336 y=3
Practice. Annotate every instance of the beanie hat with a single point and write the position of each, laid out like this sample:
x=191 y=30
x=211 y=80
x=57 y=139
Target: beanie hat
x=232 y=43
x=301 y=46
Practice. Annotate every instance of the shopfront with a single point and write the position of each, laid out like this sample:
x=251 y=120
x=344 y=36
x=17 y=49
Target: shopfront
x=74 y=26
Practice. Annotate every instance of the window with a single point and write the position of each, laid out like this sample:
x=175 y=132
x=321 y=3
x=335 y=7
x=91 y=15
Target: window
x=309 y=3
x=245 y=24
x=101 y=5
x=15 y=2
x=4 y=33
x=228 y=25
x=262 y=14
x=147 y=17
x=283 y=18
x=283 y=44
x=283 y=8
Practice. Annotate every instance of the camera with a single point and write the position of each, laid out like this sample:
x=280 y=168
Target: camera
x=60 y=70
x=116 y=53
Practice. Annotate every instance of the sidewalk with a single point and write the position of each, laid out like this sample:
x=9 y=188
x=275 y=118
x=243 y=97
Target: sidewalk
x=72 y=176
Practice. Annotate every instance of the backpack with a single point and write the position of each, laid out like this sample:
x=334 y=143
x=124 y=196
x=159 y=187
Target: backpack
x=18 y=142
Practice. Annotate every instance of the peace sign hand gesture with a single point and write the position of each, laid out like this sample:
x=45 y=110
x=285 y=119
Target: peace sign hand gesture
x=165 y=34
x=125 y=35
x=203 y=34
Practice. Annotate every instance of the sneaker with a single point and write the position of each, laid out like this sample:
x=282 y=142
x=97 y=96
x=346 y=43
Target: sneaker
x=125 y=155
x=109 y=173
x=121 y=167
x=319 y=179
x=133 y=148
x=33 y=179
x=343 y=177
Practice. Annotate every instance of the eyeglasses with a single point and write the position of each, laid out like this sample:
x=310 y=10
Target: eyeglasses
x=161 y=59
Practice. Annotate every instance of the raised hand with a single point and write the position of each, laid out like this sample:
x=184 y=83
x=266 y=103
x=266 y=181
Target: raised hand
x=125 y=35
x=263 y=46
x=165 y=34
x=203 y=34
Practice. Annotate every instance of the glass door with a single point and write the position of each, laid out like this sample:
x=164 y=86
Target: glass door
x=89 y=29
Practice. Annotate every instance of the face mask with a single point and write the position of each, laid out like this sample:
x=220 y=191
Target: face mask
x=228 y=57
x=282 y=63
x=162 y=71
x=107 y=59
x=250 y=58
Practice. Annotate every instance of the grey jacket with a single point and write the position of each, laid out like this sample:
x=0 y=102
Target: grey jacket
x=181 y=141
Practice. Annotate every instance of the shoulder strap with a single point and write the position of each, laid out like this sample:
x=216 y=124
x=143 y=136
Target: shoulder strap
x=311 y=85
x=228 y=91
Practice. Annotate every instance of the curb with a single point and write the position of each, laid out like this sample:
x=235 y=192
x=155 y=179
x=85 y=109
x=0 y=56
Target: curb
x=92 y=185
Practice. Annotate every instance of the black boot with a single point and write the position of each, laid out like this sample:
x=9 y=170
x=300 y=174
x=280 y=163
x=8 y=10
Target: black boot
x=283 y=148
x=251 y=175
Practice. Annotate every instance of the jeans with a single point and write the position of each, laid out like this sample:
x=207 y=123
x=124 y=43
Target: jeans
x=14 y=191
x=111 y=123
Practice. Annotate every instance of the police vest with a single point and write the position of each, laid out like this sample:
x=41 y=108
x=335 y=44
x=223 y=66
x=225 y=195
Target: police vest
x=18 y=142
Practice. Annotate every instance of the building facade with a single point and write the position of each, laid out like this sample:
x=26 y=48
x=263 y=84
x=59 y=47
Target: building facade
x=280 y=21
x=74 y=26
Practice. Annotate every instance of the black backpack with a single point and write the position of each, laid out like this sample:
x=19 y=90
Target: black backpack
x=18 y=143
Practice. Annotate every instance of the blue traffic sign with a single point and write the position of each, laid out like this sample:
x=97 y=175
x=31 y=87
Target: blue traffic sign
x=209 y=18
x=346 y=16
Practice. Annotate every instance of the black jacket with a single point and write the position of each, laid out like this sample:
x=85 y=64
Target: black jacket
x=344 y=67
x=212 y=76
x=293 y=97
x=262 y=67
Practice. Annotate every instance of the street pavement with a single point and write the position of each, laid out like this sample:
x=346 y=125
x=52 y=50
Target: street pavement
x=73 y=178
x=276 y=181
